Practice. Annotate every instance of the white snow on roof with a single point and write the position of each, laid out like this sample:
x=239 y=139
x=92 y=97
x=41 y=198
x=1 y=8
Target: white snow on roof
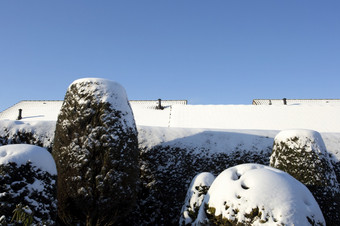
x=33 y=110
x=221 y=128
x=296 y=101
x=322 y=118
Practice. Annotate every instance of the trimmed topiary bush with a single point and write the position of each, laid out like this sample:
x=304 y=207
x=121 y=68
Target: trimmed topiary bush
x=96 y=152
x=302 y=154
x=28 y=177
x=197 y=190
x=253 y=194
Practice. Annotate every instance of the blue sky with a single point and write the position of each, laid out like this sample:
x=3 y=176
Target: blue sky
x=208 y=52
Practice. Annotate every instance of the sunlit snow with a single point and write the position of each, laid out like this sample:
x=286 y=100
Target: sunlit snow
x=279 y=197
x=23 y=153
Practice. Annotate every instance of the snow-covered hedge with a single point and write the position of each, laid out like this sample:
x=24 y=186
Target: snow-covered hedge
x=28 y=176
x=96 y=152
x=166 y=172
x=302 y=154
x=21 y=132
x=253 y=194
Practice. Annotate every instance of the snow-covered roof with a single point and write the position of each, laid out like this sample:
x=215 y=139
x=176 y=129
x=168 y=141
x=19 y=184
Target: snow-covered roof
x=46 y=110
x=33 y=110
x=154 y=103
x=295 y=101
x=319 y=117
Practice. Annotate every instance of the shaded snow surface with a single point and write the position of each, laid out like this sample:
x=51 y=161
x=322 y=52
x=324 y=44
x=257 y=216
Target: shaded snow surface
x=23 y=153
x=279 y=197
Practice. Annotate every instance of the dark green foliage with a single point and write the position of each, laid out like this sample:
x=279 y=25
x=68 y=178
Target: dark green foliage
x=201 y=190
x=166 y=173
x=96 y=155
x=193 y=213
x=318 y=170
x=219 y=220
x=254 y=215
x=310 y=163
x=16 y=184
x=22 y=214
x=25 y=137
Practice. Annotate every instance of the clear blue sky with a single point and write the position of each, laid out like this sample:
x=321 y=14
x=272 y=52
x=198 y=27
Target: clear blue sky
x=205 y=51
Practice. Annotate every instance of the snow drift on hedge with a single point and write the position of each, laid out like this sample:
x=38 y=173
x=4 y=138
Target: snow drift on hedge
x=256 y=194
x=23 y=153
x=195 y=195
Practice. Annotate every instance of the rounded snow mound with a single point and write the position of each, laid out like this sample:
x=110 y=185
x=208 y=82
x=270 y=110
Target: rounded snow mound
x=258 y=195
x=23 y=153
x=194 y=197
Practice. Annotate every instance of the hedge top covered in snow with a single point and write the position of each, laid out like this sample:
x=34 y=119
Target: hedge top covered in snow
x=267 y=195
x=22 y=153
x=104 y=90
x=303 y=134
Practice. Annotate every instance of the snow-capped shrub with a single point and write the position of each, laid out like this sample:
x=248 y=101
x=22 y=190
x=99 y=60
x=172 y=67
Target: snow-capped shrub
x=302 y=154
x=197 y=190
x=28 y=176
x=166 y=173
x=253 y=194
x=96 y=152
x=20 y=132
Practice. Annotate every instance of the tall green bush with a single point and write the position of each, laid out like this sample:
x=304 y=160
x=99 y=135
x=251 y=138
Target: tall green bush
x=96 y=153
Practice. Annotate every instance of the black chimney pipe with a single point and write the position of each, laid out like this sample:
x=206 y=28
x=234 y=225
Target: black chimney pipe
x=159 y=105
x=20 y=114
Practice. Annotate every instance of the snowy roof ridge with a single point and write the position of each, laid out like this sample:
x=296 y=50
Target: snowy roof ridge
x=270 y=101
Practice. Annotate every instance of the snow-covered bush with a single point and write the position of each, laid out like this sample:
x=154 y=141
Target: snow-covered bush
x=194 y=198
x=302 y=154
x=166 y=173
x=253 y=194
x=21 y=132
x=96 y=153
x=28 y=176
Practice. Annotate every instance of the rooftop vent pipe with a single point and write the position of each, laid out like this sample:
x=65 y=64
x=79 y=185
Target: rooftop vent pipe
x=159 y=107
x=20 y=114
